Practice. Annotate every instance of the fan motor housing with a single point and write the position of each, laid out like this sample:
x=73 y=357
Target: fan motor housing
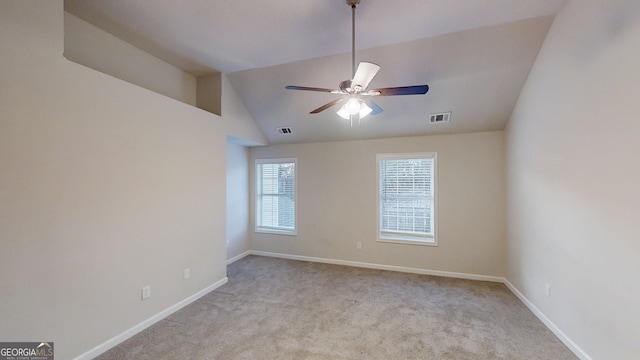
x=345 y=86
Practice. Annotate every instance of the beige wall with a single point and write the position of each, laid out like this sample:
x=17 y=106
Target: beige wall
x=574 y=179
x=208 y=93
x=237 y=199
x=337 y=203
x=105 y=187
x=97 y=49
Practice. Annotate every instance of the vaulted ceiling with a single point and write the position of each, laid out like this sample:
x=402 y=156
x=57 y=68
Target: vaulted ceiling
x=475 y=56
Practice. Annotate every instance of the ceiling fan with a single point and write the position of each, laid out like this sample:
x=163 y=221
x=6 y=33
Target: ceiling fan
x=357 y=101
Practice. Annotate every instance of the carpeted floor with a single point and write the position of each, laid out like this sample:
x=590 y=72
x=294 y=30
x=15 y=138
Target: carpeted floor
x=284 y=309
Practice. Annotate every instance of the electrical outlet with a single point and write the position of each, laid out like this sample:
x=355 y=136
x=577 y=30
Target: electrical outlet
x=547 y=290
x=146 y=292
x=186 y=273
x=359 y=245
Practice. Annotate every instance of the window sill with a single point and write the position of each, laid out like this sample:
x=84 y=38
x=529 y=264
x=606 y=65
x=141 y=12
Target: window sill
x=277 y=232
x=408 y=241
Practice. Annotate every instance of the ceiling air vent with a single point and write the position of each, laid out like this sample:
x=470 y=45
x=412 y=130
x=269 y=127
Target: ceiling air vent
x=439 y=118
x=285 y=131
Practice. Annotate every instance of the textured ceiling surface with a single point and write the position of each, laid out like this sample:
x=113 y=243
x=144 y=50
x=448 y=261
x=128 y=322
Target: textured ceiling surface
x=475 y=56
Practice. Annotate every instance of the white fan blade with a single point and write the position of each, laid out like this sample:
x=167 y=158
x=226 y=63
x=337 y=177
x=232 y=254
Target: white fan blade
x=365 y=73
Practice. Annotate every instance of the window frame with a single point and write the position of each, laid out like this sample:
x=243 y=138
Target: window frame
x=401 y=237
x=257 y=198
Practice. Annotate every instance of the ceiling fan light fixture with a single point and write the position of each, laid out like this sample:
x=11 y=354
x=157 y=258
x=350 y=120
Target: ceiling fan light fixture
x=364 y=110
x=343 y=113
x=353 y=106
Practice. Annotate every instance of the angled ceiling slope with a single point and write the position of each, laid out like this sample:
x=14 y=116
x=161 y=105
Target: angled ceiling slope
x=475 y=74
x=474 y=55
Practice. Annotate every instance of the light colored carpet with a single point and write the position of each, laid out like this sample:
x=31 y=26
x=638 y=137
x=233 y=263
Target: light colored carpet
x=284 y=309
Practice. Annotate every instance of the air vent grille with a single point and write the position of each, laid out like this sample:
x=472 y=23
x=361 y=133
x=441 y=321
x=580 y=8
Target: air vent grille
x=285 y=131
x=439 y=118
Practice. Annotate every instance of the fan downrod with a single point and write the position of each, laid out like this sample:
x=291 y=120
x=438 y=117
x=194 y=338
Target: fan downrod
x=352 y=4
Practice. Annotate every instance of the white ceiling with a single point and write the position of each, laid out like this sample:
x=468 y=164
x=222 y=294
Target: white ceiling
x=475 y=56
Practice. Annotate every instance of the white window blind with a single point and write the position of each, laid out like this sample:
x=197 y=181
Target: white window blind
x=407 y=197
x=276 y=195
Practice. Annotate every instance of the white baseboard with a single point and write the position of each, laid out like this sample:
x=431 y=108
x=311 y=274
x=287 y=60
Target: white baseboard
x=382 y=267
x=236 y=258
x=96 y=351
x=150 y=321
x=545 y=320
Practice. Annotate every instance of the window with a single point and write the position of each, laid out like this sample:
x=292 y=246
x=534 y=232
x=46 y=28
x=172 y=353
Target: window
x=406 y=198
x=276 y=196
